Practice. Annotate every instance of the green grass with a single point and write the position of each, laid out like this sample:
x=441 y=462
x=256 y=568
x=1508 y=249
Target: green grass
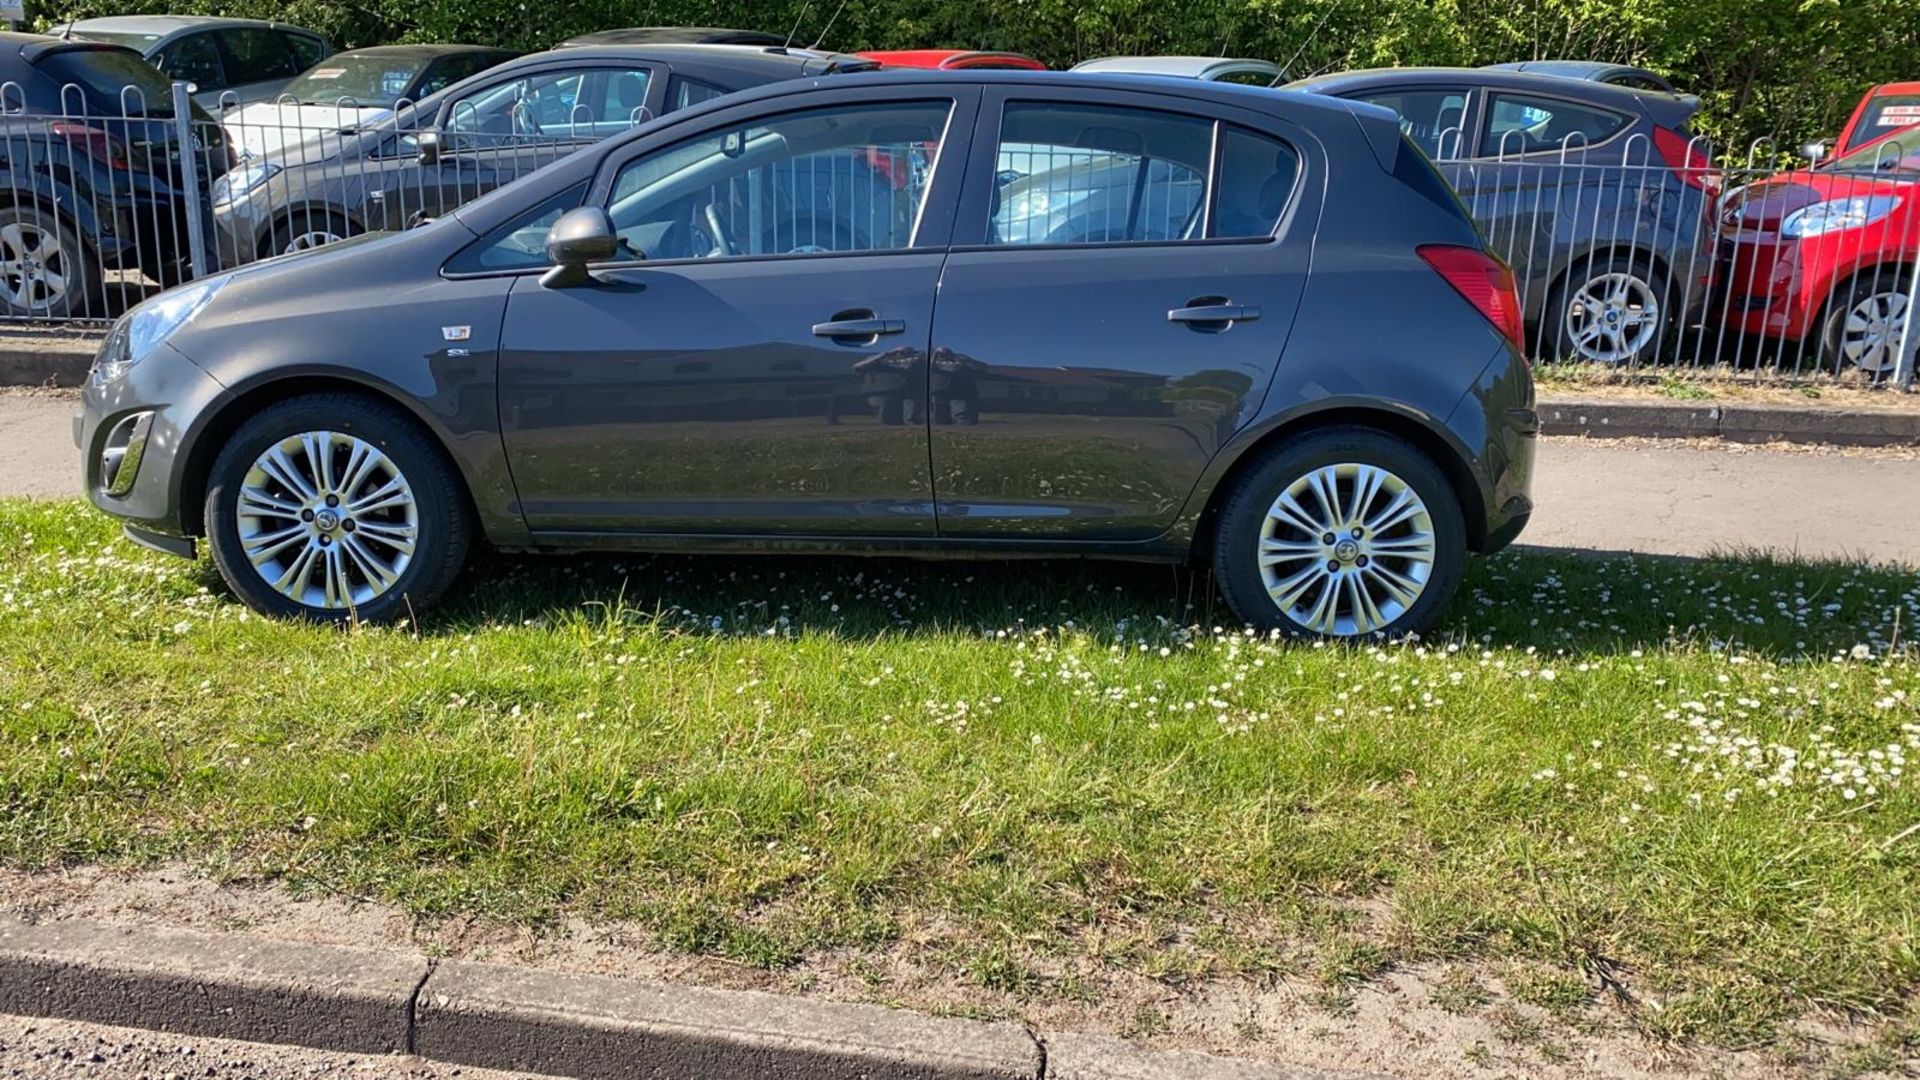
x=1686 y=780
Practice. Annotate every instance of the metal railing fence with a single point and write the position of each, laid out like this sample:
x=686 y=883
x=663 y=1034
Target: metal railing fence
x=1633 y=254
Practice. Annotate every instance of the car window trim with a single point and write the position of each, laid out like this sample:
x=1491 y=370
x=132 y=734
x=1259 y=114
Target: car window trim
x=1469 y=112
x=1484 y=128
x=986 y=150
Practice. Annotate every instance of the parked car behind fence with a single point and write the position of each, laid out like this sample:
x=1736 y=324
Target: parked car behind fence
x=241 y=60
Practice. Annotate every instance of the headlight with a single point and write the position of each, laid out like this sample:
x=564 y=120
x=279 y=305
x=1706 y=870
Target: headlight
x=240 y=180
x=143 y=329
x=1835 y=215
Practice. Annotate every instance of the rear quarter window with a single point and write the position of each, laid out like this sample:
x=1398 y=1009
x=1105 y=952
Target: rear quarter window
x=1523 y=124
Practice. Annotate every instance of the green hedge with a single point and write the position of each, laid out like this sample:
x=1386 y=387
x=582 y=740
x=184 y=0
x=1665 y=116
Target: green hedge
x=1790 y=69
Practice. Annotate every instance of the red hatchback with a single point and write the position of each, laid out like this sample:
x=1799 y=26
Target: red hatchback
x=1884 y=110
x=954 y=59
x=1824 y=257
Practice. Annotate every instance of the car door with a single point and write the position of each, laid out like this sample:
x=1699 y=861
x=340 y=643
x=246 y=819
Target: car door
x=258 y=62
x=763 y=368
x=1123 y=280
x=502 y=130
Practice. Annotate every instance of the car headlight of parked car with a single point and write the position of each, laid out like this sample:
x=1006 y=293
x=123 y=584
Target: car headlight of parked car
x=143 y=329
x=1836 y=215
x=238 y=181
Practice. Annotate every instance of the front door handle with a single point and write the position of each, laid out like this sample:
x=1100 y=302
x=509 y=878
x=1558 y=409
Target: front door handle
x=855 y=331
x=1213 y=313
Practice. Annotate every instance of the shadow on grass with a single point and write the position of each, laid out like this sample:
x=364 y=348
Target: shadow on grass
x=1571 y=601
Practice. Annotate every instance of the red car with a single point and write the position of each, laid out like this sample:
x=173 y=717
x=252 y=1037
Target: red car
x=954 y=59
x=1824 y=257
x=1884 y=110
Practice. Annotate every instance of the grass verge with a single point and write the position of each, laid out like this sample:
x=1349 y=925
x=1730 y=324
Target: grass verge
x=1680 y=784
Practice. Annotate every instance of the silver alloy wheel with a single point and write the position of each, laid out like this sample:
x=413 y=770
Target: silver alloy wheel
x=327 y=520
x=310 y=239
x=1611 y=318
x=1346 y=550
x=1872 y=333
x=33 y=268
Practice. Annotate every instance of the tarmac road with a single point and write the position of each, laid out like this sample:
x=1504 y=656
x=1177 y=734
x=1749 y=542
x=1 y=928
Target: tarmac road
x=1662 y=497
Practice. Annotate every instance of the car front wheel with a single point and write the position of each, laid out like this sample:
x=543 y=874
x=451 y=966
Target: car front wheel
x=1343 y=533
x=335 y=507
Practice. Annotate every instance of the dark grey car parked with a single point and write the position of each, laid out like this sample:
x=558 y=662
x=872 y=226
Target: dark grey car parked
x=476 y=135
x=615 y=354
x=1599 y=196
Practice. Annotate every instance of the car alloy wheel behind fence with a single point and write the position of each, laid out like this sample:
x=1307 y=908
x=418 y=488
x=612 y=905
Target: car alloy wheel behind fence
x=1613 y=318
x=35 y=270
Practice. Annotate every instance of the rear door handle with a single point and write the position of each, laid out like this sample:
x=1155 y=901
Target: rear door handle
x=1214 y=313
x=865 y=329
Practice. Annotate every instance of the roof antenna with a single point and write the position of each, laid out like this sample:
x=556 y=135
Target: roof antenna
x=796 y=24
x=1311 y=34
x=830 y=21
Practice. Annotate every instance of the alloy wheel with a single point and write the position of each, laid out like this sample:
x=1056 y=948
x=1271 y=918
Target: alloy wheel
x=1346 y=550
x=327 y=519
x=1612 y=317
x=1871 y=335
x=33 y=268
x=311 y=239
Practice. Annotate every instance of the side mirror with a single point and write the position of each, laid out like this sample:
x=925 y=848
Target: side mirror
x=579 y=239
x=1814 y=151
x=428 y=143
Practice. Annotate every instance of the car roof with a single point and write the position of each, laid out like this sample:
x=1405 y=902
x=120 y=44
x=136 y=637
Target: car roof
x=1191 y=67
x=1667 y=108
x=167 y=24
x=420 y=52
x=674 y=35
x=1594 y=70
x=770 y=59
x=954 y=59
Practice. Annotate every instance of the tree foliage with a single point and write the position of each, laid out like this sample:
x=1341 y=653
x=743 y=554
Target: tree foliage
x=1788 y=69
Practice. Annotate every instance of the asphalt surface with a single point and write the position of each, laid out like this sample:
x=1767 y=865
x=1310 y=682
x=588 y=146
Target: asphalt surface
x=1669 y=498
x=34 y=1049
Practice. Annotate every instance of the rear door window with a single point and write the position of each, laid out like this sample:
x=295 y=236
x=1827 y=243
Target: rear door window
x=307 y=51
x=551 y=106
x=1082 y=174
x=1523 y=124
x=256 y=55
x=1434 y=119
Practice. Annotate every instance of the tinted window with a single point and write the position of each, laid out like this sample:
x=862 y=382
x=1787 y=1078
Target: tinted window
x=1884 y=114
x=1257 y=175
x=359 y=79
x=1434 y=119
x=1518 y=124
x=1247 y=78
x=825 y=180
x=307 y=51
x=520 y=244
x=92 y=81
x=448 y=70
x=1089 y=175
x=689 y=92
x=195 y=59
x=255 y=55
x=555 y=105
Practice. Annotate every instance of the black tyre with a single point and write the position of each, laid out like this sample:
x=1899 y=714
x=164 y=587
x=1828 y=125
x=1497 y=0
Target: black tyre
x=1611 y=309
x=1341 y=533
x=1863 y=323
x=334 y=507
x=306 y=230
x=46 y=270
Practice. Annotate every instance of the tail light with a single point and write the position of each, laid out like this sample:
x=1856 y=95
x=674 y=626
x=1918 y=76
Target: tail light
x=96 y=144
x=1486 y=283
x=1688 y=159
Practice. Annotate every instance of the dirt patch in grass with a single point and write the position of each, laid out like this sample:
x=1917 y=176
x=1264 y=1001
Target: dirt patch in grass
x=1352 y=1010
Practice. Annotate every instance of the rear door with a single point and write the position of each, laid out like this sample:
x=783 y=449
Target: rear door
x=1125 y=272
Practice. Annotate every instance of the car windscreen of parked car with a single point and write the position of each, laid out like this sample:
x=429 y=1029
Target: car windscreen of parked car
x=383 y=79
x=108 y=82
x=1899 y=154
x=1884 y=114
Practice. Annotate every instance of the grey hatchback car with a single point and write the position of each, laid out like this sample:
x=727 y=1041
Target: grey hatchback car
x=626 y=351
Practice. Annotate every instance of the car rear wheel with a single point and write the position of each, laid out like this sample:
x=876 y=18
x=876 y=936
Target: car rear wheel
x=1865 y=323
x=1343 y=533
x=1609 y=310
x=46 y=271
x=334 y=507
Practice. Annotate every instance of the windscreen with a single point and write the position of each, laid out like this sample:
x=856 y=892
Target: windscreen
x=361 y=80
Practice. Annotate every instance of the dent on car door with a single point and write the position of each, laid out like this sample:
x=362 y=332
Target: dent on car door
x=1122 y=285
x=756 y=362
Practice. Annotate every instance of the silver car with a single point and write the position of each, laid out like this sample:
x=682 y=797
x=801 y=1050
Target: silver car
x=236 y=61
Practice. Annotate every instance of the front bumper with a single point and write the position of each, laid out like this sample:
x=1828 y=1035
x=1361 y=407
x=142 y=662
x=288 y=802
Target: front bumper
x=133 y=435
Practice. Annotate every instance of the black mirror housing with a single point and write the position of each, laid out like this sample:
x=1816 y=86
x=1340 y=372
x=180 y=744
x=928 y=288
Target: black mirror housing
x=579 y=239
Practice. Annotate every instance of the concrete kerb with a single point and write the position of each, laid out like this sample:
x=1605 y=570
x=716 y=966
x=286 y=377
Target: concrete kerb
x=355 y=1000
